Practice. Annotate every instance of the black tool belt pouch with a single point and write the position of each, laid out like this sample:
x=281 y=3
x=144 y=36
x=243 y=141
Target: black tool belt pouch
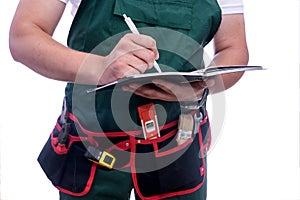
x=162 y=168
x=65 y=164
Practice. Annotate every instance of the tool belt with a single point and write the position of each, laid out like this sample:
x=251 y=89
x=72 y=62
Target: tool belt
x=160 y=168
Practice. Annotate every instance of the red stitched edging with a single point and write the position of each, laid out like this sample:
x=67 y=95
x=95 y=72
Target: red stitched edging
x=173 y=150
x=87 y=187
x=132 y=158
x=115 y=134
x=172 y=194
x=160 y=139
x=62 y=149
x=102 y=134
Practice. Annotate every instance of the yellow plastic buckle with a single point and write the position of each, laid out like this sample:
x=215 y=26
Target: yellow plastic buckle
x=102 y=158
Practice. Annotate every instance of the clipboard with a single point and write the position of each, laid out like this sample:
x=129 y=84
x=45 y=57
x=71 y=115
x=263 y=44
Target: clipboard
x=178 y=77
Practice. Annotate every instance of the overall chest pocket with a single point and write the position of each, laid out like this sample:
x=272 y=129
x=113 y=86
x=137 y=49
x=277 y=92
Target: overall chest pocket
x=167 y=13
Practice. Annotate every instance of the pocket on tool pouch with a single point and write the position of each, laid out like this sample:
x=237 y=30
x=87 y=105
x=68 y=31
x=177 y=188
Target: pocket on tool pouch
x=63 y=169
x=175 y=168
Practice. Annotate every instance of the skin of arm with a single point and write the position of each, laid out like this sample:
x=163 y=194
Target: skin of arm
x=31 y=43
x=230 y=48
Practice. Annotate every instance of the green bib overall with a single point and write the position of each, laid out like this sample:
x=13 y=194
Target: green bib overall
x=181 y=29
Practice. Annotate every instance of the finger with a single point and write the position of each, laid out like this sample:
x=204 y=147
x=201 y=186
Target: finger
x=199 y=88
x=155 y=94
x=120 y=69
x=135 y=62
x=131 y=71
x=146 y=56
x=164 y=85
x=127 y=48
x=199 y=85
x=183 y=92
x=150 y=92
x=210 y=82
x=144 y=41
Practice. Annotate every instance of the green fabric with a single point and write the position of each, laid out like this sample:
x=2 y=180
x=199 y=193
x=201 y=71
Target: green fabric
x=181 y=28
x=176 y=14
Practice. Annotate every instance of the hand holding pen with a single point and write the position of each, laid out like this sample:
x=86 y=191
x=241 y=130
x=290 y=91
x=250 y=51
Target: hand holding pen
x=132 y=55
x=133 y=29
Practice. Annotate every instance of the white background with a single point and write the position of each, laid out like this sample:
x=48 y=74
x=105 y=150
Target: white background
x=257 y=155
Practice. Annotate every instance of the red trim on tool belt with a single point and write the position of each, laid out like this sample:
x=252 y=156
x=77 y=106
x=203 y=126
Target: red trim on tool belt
x=62 y=148
x=168 y=152
x=115 y=134
x=126 y=145
x=173 y=150
x=101 y=134
x=207 y=144
x=87 y=187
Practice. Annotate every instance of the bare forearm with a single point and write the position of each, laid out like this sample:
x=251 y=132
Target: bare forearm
x=31 y=42
x=230 y=56
x=41 y=53
x=230 y=48
x=53 y=60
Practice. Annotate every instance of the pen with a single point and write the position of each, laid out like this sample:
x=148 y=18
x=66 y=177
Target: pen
x=133 y=29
